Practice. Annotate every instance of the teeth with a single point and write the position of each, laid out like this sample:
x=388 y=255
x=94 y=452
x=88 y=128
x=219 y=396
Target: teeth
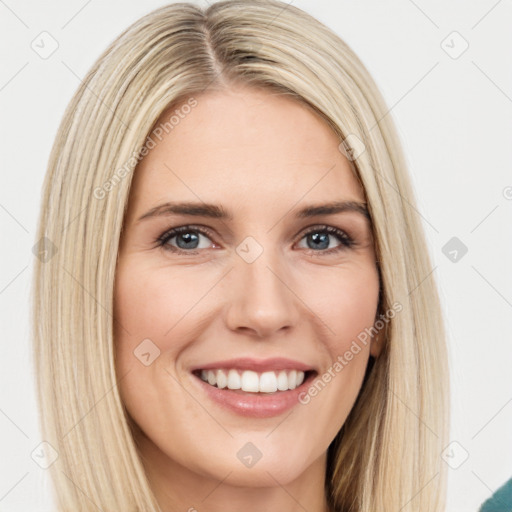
x=292 y=379
x=222 y=379
x=250 y=382
x=282 y=381
x=253 y=382
x=234 y=381
x=268 y=382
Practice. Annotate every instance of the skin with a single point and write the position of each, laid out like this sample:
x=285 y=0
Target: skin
x=262 y=157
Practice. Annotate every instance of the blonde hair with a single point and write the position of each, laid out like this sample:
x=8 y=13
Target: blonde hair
x=386 y=457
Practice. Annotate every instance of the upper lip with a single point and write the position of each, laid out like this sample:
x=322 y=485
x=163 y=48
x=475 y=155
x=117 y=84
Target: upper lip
x=257 y=365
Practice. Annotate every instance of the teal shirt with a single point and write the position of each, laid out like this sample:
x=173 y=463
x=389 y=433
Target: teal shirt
x=500 y=501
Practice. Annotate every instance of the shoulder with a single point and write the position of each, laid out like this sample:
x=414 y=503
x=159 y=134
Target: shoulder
x=501 y=500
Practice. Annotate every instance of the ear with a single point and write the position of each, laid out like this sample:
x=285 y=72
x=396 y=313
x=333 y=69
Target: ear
x=377 y=343
x=377 y=340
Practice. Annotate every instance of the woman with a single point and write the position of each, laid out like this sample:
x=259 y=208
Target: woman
x=236 y=315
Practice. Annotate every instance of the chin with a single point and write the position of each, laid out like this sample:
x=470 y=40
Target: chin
x=266 y=471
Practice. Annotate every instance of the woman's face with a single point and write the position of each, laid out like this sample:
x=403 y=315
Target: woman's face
x=249 y=286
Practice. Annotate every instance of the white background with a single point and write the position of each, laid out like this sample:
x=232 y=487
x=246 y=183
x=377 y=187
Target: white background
x=454 y=118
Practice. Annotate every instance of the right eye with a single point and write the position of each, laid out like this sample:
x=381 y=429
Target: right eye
x=186 y=239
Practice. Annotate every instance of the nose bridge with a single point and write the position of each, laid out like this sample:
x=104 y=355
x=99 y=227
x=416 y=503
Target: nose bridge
x=260 y=298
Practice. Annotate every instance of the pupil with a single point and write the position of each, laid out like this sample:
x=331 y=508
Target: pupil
x=322 y=238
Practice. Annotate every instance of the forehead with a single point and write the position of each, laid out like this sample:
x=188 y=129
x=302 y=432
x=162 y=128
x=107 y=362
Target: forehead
x=240 y=146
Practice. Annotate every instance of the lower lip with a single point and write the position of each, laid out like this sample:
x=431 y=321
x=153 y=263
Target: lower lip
x=255 y=405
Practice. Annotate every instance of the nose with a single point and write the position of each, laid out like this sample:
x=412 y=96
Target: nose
x=261 y=299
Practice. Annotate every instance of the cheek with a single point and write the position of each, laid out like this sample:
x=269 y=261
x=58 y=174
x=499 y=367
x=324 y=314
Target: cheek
x=347 y=304
x=346 y=301
x=349 y=308
x=149 y=326
x=151 y=303
x=150 y=311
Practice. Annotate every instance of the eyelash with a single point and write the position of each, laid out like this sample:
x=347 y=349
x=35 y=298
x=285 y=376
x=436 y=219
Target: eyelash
x=346 y=242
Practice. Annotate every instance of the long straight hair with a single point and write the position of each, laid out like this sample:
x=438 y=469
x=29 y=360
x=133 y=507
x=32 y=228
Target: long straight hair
x=387 y=455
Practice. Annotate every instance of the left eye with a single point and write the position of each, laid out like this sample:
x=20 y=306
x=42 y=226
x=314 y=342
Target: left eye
x=319 y=238
x=188 y=239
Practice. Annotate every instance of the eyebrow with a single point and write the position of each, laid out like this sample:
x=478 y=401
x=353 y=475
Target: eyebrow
x=218 y=212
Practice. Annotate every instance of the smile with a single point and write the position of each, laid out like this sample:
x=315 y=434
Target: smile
x=252 y=381
x=257 y=388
